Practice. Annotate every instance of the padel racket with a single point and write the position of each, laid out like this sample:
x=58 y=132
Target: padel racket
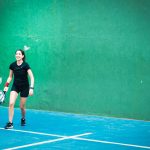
x=2 y=96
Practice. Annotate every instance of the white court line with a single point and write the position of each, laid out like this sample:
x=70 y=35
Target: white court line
x=84 y=139
x=39 y=133
x=49 y=141
x=114 y=143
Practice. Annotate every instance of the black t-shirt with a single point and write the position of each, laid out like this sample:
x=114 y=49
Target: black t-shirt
x=20 y=73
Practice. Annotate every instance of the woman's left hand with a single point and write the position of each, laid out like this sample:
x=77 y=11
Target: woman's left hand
x=31 y=92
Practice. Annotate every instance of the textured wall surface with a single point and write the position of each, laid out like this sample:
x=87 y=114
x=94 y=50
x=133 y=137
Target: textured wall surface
x=88 y=57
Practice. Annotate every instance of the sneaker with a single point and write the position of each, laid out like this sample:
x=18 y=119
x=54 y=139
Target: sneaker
x=9 y=125
x=23 y=122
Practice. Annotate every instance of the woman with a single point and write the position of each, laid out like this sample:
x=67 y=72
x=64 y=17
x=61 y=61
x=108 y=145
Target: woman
x=20 y=69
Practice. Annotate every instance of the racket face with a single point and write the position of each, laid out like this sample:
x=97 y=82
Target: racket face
x=2 y=97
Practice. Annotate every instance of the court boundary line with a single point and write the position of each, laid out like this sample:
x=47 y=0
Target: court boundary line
x=77 y=138
x=32 y=132
x=47 y=141
x=114 y=143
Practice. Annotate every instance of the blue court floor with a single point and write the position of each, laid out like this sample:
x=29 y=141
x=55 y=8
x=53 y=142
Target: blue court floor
x=62 y=131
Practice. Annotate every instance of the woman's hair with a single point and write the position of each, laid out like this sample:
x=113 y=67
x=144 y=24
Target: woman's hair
x=23 y=53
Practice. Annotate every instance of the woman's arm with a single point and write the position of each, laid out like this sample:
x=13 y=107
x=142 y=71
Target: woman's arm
x=8 y=80
x=32 y=82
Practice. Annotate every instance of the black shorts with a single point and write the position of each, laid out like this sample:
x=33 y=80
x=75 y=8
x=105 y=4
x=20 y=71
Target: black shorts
x=22 y=89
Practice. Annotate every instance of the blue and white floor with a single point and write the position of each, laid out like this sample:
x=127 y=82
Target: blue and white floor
x=62 y=131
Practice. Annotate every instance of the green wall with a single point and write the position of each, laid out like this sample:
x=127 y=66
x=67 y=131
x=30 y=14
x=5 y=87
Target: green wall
x=88 y=56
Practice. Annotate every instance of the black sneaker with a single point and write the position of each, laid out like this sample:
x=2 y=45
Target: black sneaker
x=9 y=125
x=23 y=122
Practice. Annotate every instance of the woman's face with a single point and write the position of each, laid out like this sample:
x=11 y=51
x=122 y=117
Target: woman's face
x=19 y=55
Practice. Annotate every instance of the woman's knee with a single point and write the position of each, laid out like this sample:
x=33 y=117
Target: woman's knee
x=11 y=105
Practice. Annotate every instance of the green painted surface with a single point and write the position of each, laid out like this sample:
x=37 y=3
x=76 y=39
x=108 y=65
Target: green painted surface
x=88 y=57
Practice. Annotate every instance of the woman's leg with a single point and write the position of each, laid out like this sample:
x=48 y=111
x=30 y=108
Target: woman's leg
x=13 y=97
x=23 y=97
x=22 y=106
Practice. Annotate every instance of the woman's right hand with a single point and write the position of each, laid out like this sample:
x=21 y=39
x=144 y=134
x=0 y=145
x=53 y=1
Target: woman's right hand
x=5 y=89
